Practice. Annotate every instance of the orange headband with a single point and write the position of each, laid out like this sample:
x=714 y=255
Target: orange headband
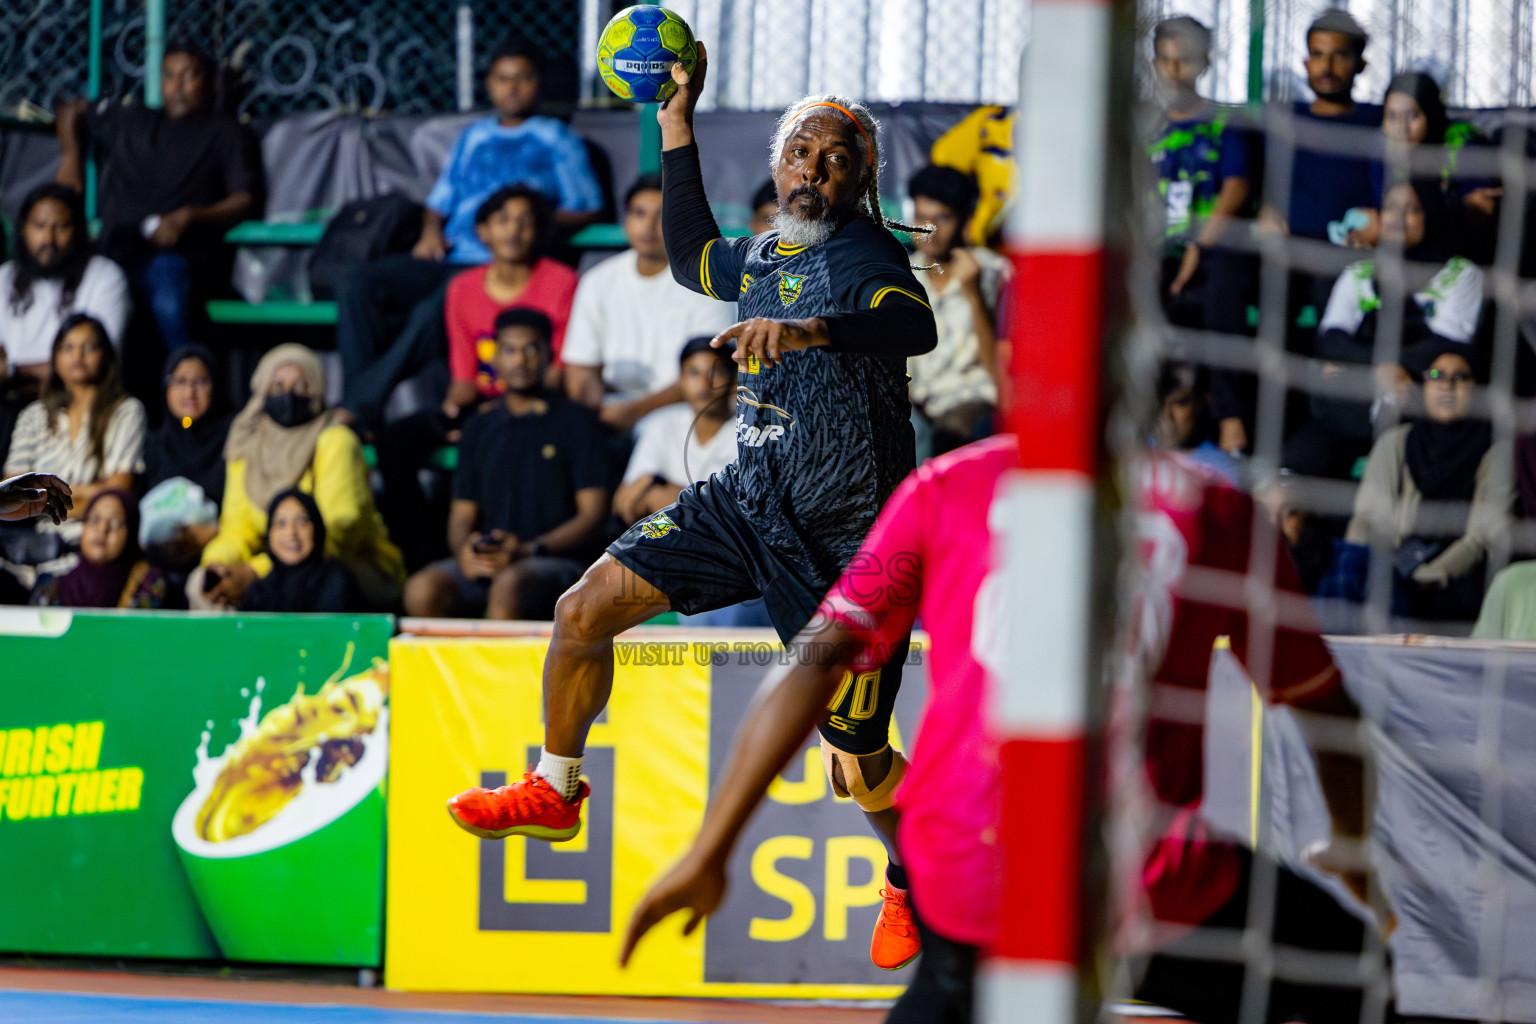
x=845 y=110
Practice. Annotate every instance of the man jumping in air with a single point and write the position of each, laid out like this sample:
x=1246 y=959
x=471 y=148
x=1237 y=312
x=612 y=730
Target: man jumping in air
x=829 y=314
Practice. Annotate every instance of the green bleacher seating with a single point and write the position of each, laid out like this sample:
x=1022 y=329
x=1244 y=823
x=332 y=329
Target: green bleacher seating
x=235 y=311
x=307 y=233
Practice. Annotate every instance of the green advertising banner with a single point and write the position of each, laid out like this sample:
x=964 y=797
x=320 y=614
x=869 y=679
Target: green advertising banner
x=198 y=786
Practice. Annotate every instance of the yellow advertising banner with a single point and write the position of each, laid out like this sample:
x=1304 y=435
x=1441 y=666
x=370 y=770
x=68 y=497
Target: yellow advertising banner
x=520 y=915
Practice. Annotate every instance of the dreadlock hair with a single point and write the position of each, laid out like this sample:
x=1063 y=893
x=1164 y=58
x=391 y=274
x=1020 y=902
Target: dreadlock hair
x=71 y=266
x=110 y=392
x=866 y=143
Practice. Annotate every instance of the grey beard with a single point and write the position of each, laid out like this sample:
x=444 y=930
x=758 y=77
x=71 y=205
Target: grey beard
x=797 y=230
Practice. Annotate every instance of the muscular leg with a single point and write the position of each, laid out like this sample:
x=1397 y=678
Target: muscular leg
x=578 y=670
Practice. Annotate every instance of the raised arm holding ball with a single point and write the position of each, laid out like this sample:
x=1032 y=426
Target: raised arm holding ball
x=829 y=312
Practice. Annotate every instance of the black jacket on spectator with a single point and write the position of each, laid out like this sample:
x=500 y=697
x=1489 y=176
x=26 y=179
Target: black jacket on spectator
x=317 y=584
x=196 y=451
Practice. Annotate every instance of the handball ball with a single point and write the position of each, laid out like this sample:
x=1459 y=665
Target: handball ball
x=637 y=50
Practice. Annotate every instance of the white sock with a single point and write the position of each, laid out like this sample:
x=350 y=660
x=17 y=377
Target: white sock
x=563 y=773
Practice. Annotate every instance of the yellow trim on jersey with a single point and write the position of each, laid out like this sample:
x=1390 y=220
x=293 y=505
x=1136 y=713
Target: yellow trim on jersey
x=704 y=268
x=784 y=250
x=883 y=292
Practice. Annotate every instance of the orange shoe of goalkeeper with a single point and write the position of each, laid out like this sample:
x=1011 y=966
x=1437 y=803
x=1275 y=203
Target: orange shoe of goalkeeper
x=529 y=807
x=895 y=943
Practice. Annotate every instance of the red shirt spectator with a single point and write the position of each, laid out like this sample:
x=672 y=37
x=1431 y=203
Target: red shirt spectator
x=470 y=314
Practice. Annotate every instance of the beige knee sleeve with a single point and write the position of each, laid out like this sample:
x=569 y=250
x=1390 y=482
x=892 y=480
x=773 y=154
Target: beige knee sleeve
x=878 y=799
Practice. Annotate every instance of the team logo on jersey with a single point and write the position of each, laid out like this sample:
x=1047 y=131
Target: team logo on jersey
x=658 y=526
x=746 y=281
x=789 y=287
x=749 y=436
x=753 y=366
x=746 y=396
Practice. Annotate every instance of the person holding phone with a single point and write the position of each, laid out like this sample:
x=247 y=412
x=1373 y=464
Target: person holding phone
x=530 y=494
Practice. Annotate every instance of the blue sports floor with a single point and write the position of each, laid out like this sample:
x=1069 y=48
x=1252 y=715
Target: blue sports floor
x=44 y=996
x=68 y=1008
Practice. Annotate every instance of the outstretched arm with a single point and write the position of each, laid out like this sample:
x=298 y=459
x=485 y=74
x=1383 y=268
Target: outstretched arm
x=700 y=258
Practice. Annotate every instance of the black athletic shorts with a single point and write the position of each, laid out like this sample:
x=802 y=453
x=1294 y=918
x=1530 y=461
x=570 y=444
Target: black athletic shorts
x=703 y=553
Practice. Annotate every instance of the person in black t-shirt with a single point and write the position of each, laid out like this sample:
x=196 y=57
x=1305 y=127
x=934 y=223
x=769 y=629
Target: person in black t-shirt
x=174 y=180
x=529 y=495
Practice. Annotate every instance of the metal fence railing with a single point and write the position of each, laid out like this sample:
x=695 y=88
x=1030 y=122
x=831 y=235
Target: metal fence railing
x=425 y=56
x=287 y=56
x=1479 y=49
x=396 y=55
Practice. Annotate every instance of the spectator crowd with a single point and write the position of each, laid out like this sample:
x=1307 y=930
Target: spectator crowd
x=1387 y=232
x=560 y=406
x=557 y=402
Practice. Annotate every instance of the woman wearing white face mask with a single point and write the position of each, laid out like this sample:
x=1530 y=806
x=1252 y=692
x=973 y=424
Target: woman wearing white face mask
x=285 y=437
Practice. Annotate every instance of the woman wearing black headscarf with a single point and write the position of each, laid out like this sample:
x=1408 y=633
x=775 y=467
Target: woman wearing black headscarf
x=190 y=443
x=302 y=578
x=1414 y=114
x=186 y=449
x=1448 y=456
x=1444 y=303
x=111 y=572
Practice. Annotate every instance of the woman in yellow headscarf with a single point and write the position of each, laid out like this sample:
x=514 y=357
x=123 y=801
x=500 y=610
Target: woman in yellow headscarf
x=286 y=437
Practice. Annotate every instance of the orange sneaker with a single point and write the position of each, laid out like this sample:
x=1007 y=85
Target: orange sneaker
x=528 y=807
x=895 y=943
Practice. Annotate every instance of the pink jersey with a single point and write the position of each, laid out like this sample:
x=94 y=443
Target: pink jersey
x=929 y=554
x=1191 y=519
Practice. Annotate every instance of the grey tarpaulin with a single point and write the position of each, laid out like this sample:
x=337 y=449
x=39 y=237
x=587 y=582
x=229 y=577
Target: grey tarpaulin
x=319 y=161
x=1454 y=838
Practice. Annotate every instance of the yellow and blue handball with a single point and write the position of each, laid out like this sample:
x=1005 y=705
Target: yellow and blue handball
x=637 y=50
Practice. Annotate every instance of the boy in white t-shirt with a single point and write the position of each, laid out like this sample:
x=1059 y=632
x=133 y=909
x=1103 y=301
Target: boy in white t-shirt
x=685 y=442
x=627 y=320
